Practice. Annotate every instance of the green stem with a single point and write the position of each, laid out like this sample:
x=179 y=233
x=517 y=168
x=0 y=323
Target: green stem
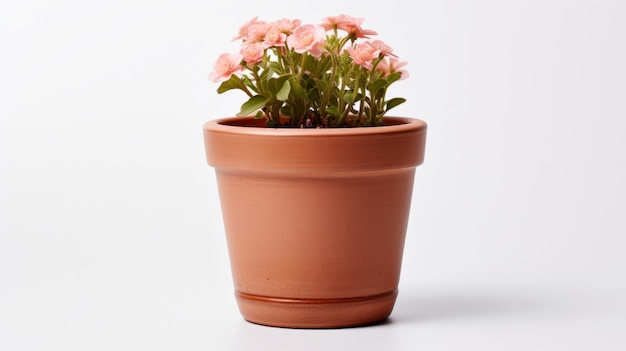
x=375 y=104
x=329 y=87
x=302 y=63
x=352 y=74
x=363 y=88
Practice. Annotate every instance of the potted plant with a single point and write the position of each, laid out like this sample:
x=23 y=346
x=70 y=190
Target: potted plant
x=315 y=181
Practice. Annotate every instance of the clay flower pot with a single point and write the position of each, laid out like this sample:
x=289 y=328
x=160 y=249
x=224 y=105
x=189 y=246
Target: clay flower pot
x=315 y=219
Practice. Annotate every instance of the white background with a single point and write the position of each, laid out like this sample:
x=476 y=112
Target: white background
x=110 y=231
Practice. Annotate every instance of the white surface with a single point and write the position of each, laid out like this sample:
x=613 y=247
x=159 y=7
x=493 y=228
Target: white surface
x=110 y=231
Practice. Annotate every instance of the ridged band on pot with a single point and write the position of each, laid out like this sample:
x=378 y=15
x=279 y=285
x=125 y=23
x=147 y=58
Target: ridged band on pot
x=315 y=219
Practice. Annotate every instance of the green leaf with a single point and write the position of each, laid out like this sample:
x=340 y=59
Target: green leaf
x=332 y=110
x=251 y=106
x=309 y=63
x=249 y=83
x=275 y=67
x=362 y=80
x=377 y=84
x=394 y=77
x=322 y=84
x=283 y=93
x=276 y=83
x=313 y=94
x=297 y=89
x=233 y=82
x=274 y=87
x=394 y=102
x=259 y=115
x=325 y=64
x=264 y=86
x=349 y=97
x=286 y=111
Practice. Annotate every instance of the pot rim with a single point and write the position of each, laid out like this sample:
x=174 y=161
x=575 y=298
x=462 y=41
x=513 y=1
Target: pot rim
x=251 y=126
x=246 y=144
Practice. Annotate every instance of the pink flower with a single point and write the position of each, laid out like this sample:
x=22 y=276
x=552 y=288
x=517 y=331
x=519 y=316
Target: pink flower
x=384 y=49
x=390 y=65
x=352 y=25
x=307 y=38
x=225 y=66
x=275 y=37
x=363 y=54
x=251 y=25
x=256 y=33
x=278 y=31
x=286 y=25
x=253 y=53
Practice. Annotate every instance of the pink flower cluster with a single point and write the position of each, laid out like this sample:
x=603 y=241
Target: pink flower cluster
x=257 y=36
x=351 y=25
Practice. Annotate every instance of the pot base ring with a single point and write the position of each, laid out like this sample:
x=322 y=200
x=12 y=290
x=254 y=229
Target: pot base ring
x=316 y=313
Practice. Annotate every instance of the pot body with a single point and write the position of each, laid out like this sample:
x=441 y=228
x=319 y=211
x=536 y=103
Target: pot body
x=315 y=220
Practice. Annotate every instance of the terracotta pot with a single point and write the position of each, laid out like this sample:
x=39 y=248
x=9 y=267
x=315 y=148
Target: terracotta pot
x=315 y=219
